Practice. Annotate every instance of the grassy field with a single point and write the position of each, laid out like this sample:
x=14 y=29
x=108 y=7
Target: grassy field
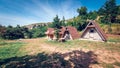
x=16 y=53
x=10 y=49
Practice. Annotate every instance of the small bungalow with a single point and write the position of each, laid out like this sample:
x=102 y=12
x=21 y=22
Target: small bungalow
x=67 y=33
x=93 y=32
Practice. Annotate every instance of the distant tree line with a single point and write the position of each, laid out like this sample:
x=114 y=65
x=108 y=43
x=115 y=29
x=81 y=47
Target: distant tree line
x=18 y=32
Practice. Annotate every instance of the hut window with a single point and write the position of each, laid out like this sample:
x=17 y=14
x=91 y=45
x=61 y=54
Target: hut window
x=90 y=24
x=91 y=30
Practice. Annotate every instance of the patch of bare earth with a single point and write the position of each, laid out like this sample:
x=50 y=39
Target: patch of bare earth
x=108 y=56
x=34 y=46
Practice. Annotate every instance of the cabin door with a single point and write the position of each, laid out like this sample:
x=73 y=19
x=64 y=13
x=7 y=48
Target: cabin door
x=67 y=35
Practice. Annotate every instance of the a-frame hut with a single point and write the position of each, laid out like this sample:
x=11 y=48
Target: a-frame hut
x=93 y=32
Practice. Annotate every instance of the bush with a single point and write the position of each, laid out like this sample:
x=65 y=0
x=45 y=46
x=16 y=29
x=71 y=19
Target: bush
x=38 y=32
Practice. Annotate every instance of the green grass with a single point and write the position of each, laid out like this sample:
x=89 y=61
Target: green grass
x=114 y=40
x=10 y=49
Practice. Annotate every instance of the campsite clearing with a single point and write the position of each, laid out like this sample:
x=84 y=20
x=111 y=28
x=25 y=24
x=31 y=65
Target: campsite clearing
x=108 y=53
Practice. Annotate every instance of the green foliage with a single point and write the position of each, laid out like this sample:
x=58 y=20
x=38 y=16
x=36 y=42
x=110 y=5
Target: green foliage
x=82 y=10
x=57 y=34
x=26 y=32
x=38 y=32
x=92 y=15
x=79 y=22
x=13 y=33
x=109 y=11
x=118 y=8
x=21 y=32
x=2 y=30
x=63 y=22
x=56 y=22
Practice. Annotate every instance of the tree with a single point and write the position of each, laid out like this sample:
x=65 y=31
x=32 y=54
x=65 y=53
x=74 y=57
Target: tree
x=38 y=32
x=80 y=21
x=26 y=32
x=57 y=25
x=63 y=21
x=118 y=13
x=82 y=11
x=56 y=22
x=118 y=8
x=109 y=10
x=57 y=33
x=2 y=31
x=92 y=15
x=13 y=33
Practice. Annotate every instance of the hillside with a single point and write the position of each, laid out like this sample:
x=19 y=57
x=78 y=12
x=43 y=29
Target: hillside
x=35 y=25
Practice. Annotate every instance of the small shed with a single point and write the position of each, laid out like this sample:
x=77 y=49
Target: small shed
x=93 y=32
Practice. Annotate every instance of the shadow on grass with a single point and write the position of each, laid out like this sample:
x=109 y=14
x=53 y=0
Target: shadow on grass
x=76 y=59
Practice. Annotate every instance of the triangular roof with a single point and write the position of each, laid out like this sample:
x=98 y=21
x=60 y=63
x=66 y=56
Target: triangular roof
x=50 y=31
x=73 y=31
x=93 y=24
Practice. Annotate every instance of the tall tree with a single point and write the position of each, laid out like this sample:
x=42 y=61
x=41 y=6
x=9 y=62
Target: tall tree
x=82 y=11
x=56 y=22
x=109 y=10
x=63 y=21
x=118 y=17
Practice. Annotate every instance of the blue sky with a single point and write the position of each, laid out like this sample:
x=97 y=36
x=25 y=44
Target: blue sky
x=24 y=12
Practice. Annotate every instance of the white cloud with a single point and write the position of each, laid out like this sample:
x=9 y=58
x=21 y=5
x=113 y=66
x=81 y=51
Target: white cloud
x=27 y=13
x=14 y=20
